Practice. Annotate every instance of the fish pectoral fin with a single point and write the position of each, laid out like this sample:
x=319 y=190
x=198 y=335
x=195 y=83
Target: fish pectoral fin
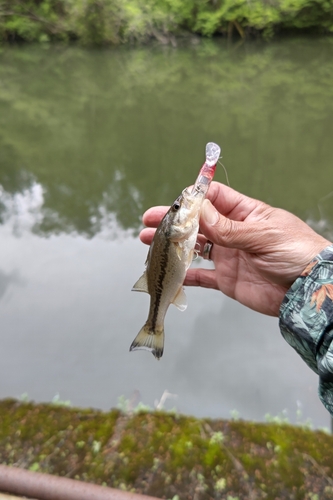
x=142 y=284
x=179 y=249
x=149 y=340
x=180 y=301
x=192 y=256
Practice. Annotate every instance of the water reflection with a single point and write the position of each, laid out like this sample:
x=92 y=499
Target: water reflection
x=133 y=123
x=88 y=141
x=236 y=349
x=22 y=210
x=25 y=212
x=9 y=279
x=68 y=331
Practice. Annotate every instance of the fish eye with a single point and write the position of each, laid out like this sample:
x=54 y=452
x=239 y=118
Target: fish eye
x=176 y=205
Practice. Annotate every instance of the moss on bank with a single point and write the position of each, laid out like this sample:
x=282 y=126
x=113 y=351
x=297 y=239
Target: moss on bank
x=121 y=21
x=167 y=455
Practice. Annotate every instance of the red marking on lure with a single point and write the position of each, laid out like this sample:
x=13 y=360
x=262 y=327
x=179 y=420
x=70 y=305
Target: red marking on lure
x=207 y=171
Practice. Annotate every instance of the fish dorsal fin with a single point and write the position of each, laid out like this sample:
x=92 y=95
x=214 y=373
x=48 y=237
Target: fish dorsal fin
x=149 y=252
x=180 y=301
x=141 y=285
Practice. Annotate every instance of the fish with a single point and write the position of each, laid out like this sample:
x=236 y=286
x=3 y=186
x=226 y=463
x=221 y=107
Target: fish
x=170 y=255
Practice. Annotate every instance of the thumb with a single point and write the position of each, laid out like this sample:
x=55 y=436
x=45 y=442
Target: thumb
x=226 y=232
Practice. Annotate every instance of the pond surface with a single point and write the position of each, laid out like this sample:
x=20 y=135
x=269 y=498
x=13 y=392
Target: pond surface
x=88 y=141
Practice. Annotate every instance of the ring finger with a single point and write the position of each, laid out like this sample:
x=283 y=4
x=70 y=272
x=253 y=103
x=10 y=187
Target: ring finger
x=204 y=247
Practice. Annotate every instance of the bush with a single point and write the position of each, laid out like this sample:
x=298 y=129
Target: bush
x=96 y=22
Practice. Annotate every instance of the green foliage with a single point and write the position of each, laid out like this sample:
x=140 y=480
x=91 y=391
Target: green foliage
x=307 y=14
x=97 y=22
x=32 y=20
x=126 y=406
x=60 y=402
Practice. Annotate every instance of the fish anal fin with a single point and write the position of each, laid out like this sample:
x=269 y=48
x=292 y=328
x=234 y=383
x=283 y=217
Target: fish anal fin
x=180 y=301
x=142 y=284
x=149 y=340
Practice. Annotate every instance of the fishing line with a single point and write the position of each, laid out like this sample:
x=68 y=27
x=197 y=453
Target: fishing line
x=196 y=251
x=319 y=202
x=225 y=171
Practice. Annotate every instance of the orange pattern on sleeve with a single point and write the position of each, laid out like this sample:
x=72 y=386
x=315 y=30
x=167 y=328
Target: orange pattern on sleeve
x=320 y=295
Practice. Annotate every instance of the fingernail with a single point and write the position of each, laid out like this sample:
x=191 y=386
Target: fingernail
x=209 y=213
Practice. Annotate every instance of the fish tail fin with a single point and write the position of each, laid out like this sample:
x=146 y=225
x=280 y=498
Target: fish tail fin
x=149 y=340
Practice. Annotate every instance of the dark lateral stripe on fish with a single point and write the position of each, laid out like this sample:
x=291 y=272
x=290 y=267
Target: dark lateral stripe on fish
x=160 y=280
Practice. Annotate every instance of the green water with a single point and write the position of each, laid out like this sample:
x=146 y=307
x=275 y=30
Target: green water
x=127 y=128
x=91 y=138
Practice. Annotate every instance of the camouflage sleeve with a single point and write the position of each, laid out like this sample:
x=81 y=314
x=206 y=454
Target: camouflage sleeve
x=306 y=320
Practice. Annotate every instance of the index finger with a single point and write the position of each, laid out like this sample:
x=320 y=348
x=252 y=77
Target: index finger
x=153 y=216
x=227 y=201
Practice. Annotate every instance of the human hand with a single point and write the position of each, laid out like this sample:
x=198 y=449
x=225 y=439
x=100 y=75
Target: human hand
x=258 y=251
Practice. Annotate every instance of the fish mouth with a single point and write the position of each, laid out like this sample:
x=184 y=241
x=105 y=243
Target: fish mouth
x=192 y=199
x=190 y=196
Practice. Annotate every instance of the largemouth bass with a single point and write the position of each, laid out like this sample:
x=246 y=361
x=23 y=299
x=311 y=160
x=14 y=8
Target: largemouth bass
x=170 y=255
